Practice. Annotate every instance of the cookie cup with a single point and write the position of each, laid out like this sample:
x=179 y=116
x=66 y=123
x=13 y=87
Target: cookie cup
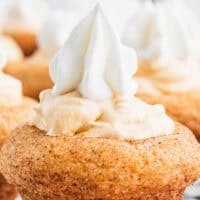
x=79 y=167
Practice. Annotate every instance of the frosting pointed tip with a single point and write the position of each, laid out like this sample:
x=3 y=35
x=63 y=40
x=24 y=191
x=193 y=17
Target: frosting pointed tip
x=98 y=7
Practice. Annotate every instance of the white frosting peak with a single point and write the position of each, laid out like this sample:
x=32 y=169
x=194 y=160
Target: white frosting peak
x=164 y=32
x=55 y=30
x=94 y=61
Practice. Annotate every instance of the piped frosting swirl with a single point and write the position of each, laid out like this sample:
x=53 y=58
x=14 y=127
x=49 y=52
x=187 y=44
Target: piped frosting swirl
x=166 y=37
x=94 y=61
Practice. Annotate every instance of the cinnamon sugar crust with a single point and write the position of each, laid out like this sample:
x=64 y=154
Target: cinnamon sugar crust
x=7 y=191
x=11 y=117
x=78 y=167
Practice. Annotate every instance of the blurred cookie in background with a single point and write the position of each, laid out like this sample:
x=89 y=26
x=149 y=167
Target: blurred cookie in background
x=33 y=70
x=12 y=50
x=165 y=35
x=15 y=109
x=23 y=21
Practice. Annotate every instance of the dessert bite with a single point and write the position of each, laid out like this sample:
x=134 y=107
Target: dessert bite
x=166 y=37
x=15 y=110
x=90 y=138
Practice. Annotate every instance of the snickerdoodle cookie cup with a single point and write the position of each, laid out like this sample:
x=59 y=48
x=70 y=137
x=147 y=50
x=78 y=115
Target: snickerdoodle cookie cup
x=89 y=138
x=79 y=167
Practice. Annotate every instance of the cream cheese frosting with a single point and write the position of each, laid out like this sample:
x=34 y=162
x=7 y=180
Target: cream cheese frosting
x=166 y=37
x=129 y=118
x=26 y=15
x=93 y=90
x=10 y=88
x=55 y=31
x=94 y=61
x=10 y=47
